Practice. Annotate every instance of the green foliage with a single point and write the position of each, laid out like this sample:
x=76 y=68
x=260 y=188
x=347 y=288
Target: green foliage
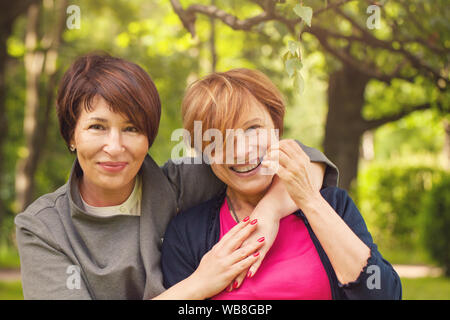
x=293 y=64
x=426 y=288
x=305 y=13
x=390 y=196
x=9 y=256
x=436 y=222
x=419 y=133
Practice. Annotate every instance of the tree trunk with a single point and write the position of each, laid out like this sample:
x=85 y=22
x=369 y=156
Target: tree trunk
x=4 y=33
x=37 y=117
x=9 y=11
x=34 y=61
x=344 y=124
x=212 y=41
x=446 y=149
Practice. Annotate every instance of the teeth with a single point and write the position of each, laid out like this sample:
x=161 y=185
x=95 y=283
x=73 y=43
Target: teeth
x=246 y=168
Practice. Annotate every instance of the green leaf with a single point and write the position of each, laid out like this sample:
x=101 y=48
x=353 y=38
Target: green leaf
x=299 y=82
x=286 y=56
x=305 y=13
x=293 y=65
x=293 y=46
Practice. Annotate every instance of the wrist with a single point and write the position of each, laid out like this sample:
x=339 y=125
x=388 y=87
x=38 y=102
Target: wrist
x=310 y=203
x=268 y=212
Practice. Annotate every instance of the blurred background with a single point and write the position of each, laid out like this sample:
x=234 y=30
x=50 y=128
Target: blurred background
x=366 y=82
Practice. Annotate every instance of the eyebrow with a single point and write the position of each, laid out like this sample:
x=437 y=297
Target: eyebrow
x=104 y=120
x=252 y=121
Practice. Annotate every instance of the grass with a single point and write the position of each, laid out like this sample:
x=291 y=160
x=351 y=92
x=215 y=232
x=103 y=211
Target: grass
x=415 y=256
x=11 y=290
x=426 y=288
x=413 y=289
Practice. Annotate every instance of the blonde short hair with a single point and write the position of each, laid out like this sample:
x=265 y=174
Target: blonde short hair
x=220 y=99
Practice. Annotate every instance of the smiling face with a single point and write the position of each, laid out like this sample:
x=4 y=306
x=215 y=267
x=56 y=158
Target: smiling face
x=246 y=148
x=242 y=100
x=110 y=149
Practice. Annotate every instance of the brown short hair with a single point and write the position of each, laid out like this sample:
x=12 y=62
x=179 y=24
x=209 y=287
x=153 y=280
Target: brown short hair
x=125 y=86
x=221 y=98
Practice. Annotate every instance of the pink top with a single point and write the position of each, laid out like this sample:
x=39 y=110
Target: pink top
x=291 y=270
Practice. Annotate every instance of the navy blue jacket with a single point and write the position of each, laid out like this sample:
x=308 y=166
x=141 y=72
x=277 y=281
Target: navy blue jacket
x=194 y=232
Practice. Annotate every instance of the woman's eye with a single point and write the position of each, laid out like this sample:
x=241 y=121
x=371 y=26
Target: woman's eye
x=96 y=127
x=252 y=128
x=131 y=129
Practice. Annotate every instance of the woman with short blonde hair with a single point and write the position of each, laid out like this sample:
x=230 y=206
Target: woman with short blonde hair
x=322 y=251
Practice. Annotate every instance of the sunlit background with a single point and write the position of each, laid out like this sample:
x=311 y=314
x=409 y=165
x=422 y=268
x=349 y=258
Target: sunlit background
x=368 y=85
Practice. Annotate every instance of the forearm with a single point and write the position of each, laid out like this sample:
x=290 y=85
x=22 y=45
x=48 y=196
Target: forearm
x=183 y=290
x=347 y=253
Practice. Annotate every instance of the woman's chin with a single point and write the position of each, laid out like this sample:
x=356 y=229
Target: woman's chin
x=255 y=187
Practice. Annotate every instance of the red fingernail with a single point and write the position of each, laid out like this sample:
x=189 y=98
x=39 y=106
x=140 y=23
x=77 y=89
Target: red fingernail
x=256 y=254
x=235 y=284
x=254 y=221
x=261 y=239
x=249 y=274
x=246 y=219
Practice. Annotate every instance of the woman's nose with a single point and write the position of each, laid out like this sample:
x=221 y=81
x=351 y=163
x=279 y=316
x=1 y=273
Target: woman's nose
x=246 y=149
x=113 y=144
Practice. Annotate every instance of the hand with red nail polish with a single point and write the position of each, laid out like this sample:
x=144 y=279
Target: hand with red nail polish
x=267 y=225
x=220 y=267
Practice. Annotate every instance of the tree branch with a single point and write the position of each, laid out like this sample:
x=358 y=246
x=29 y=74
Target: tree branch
x=371 y=40
x=373 y=124
x=322 y=35
x=188 y=17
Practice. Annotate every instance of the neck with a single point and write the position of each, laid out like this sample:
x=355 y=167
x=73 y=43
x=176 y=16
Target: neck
x=99 y=197
x=244 y=204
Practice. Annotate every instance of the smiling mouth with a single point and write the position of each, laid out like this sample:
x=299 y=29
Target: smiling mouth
x=113 y=166
x=246 y=168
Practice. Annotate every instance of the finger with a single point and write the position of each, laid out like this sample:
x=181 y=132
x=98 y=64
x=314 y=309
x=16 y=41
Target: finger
x=233 y=231
x=295 y=166
x=269 y=167
x=241 y=267
x=255 y=266
x=244 y=251
x=235 y=240
x=244 y=264
x=293 y=150
x=241 y=254
x=284 y=174
x=276 y=160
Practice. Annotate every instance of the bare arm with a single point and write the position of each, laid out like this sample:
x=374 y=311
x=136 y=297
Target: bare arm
x=347 y=253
